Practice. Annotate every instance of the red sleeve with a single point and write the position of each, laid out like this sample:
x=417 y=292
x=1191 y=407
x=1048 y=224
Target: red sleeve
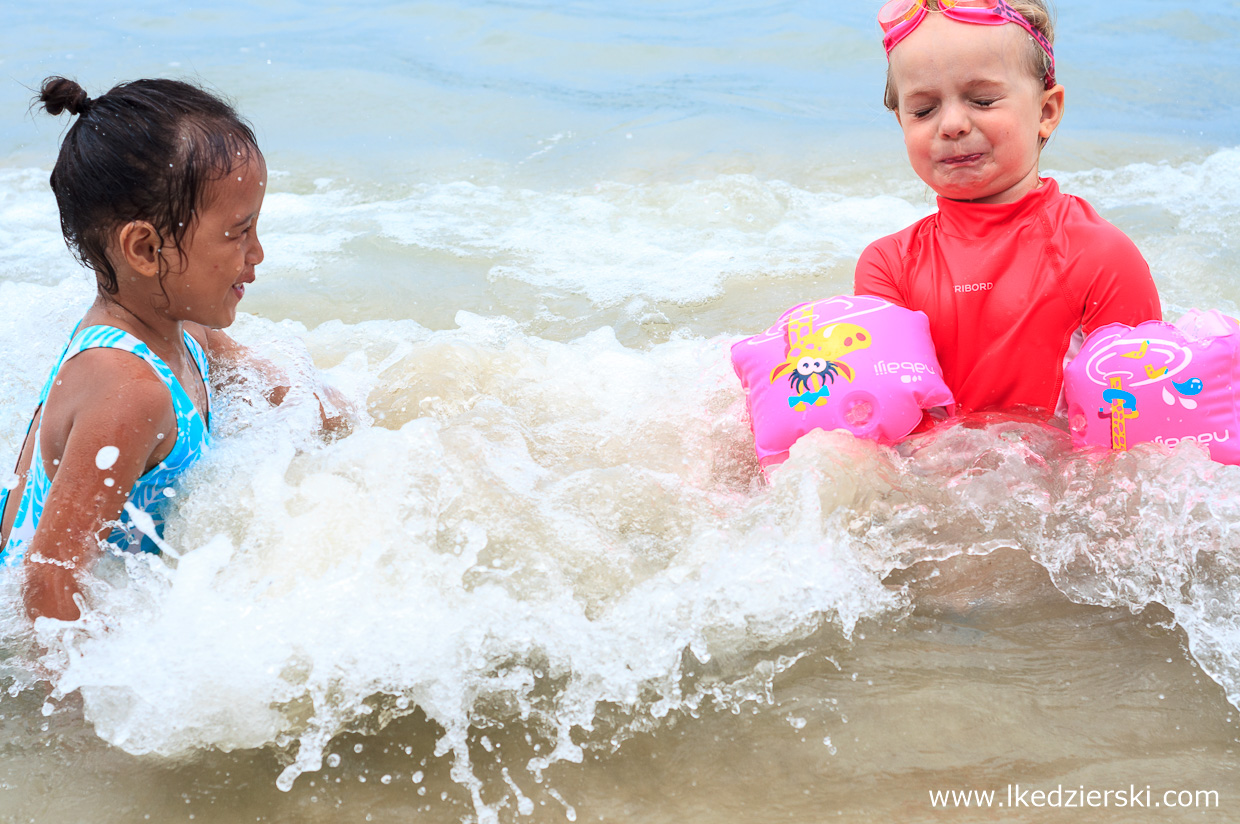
x=1117 y=286
x=877 y=272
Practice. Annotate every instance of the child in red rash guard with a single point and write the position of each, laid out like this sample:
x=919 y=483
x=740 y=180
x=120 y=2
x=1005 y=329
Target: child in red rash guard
x=1011 y=272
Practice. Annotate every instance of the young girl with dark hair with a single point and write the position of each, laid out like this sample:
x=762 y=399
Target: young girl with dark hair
x=159 y=186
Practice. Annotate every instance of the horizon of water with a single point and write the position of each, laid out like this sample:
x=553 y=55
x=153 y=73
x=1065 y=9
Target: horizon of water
x=545 y=579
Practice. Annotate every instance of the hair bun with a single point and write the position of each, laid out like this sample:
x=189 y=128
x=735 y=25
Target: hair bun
x=60 y=94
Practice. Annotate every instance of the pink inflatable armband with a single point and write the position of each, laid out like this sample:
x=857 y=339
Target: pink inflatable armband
x=854 y=363
x=1158 y=382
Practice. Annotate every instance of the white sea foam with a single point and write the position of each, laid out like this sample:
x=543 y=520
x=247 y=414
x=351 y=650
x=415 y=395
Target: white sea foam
x=677 y=242
x=35 y=325
x=1203 y=195
x=664 y=241
x=32 y=249
x=1183 y=217
x=528 y=513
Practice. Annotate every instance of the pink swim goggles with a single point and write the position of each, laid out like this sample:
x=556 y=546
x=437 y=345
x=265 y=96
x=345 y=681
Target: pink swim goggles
x=899 y=17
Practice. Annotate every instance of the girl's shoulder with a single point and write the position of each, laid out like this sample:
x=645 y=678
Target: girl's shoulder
x=1084 y=232
x=107 y=396
x=910 y=235
x=106 y=381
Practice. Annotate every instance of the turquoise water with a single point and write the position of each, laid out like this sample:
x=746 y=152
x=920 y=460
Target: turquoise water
x=544 y=579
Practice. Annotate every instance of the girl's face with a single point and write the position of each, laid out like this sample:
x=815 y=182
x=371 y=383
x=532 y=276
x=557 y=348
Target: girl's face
x=221 y=249
x=973 y=114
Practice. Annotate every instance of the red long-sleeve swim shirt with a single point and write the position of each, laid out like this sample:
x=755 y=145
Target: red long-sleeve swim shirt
x=1007 y=287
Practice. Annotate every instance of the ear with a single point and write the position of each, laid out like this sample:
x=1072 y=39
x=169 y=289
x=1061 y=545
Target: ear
x=139 y=246
x=1052 y=111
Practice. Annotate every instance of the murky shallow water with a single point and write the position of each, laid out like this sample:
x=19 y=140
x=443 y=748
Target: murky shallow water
x=1060 y=694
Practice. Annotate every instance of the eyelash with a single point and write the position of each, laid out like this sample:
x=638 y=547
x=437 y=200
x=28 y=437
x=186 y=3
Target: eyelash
x=985 y=103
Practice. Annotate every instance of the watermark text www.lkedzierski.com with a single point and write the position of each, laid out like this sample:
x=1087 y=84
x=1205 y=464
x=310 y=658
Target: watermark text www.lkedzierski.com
x=1017 y=796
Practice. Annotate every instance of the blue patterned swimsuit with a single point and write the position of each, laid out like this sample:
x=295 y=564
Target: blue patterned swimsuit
x=152 y=490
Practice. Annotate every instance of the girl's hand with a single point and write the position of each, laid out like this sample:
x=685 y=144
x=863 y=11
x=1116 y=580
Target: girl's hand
x=230 y=355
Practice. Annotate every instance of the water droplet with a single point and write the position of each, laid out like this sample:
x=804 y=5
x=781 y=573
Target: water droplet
x=357 y=748
x=106 y=457
x=417 y=777
x=333 y=760
x=109 y=482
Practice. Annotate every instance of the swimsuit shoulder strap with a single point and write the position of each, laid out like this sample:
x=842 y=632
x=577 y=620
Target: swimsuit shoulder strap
x=199 y=355
x=110 y=337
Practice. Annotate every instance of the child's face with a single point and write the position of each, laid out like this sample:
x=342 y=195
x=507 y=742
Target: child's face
x=221 y=249
x=972 y=113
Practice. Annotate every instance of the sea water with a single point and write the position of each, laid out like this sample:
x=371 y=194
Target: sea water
x=544 y=578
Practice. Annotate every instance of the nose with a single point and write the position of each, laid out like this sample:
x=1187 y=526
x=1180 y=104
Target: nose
x=954 y=120
x=254 y=255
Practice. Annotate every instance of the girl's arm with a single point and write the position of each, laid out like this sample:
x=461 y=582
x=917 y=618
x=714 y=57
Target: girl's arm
x=112 y=404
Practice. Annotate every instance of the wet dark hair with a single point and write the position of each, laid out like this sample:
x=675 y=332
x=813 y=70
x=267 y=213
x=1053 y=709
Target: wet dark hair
x=146 y=150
